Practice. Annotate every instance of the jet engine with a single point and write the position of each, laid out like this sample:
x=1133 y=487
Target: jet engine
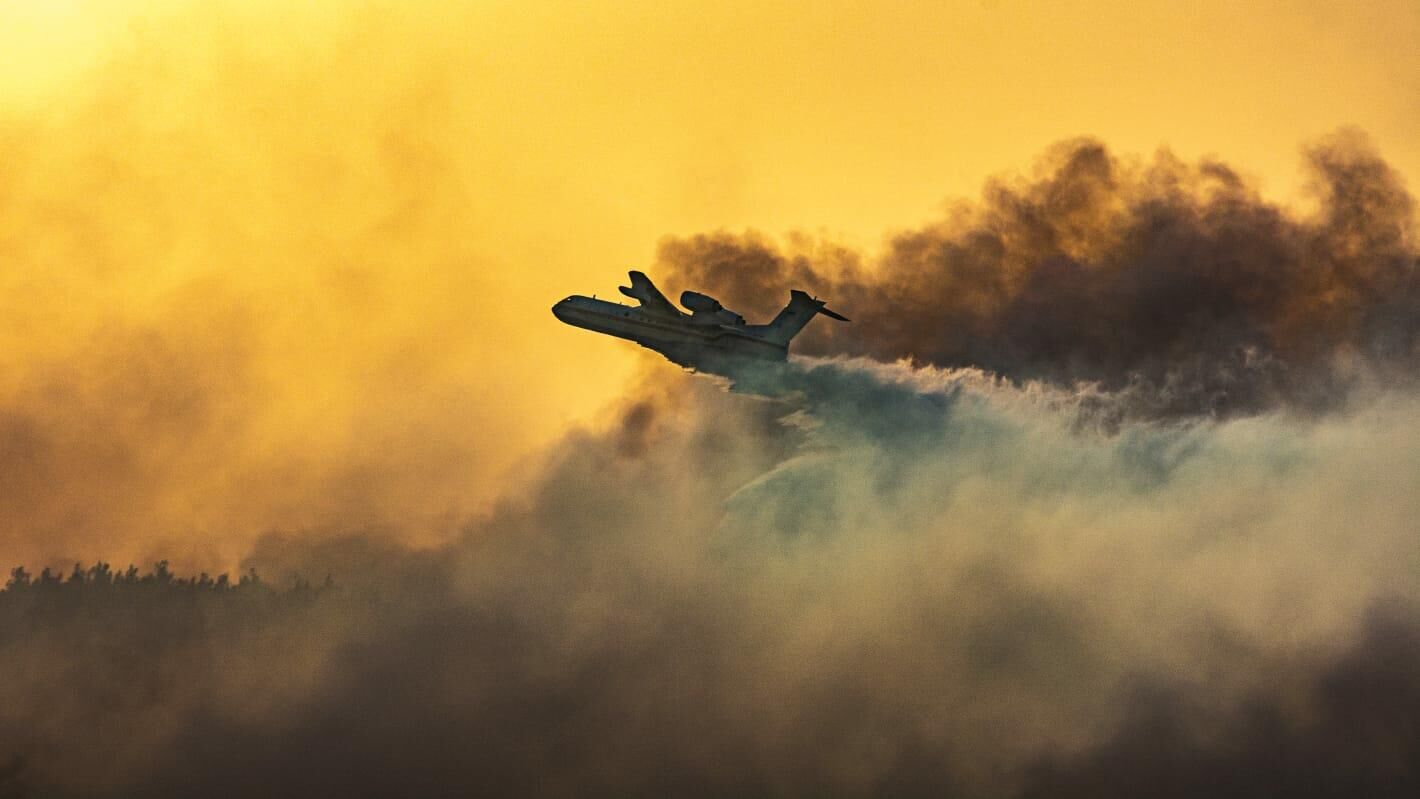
x=699 y=303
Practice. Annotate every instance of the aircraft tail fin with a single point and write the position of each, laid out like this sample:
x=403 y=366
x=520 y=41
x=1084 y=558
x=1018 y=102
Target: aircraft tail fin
x=799 y=312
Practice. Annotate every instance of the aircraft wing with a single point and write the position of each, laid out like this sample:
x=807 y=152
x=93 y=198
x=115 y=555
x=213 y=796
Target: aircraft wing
x=650 y=297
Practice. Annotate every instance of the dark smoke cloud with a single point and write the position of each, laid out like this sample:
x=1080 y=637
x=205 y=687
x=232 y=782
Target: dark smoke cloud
x=1354 y=735
x=1175 y=283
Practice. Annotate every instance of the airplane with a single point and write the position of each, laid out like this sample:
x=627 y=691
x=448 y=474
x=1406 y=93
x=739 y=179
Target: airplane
x=711 y=338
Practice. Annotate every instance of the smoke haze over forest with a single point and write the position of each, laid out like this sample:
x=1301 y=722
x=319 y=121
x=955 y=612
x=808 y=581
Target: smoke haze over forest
x=900 y=581
x=1107 y=490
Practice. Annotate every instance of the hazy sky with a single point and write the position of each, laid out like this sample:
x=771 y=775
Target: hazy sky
x=288 y=265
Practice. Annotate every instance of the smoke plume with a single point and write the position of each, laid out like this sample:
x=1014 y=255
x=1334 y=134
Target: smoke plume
x=1175 y=282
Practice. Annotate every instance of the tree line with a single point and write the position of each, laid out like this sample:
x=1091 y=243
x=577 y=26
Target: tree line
x=102 y=575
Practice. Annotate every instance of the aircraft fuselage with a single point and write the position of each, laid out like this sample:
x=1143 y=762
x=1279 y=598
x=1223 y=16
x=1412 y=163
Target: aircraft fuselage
x=709 y=347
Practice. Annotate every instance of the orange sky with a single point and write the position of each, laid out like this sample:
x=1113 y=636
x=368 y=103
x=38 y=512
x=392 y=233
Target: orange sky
x=288 y=265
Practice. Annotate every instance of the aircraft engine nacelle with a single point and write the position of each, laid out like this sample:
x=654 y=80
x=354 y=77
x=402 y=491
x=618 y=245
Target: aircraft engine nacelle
x=699 y=303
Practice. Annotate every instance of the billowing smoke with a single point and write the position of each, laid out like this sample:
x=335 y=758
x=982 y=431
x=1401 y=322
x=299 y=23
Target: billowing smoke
x=885 y=580
x=1108 y=489
x=1176 y=283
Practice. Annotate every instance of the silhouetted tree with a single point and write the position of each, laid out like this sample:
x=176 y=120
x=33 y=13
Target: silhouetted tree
x=19 y=578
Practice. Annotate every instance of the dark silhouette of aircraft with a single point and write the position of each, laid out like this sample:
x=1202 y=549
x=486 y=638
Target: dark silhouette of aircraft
x=711 y=338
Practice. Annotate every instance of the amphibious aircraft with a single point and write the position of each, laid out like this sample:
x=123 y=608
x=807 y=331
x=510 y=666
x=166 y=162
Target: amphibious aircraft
x=711 y=338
